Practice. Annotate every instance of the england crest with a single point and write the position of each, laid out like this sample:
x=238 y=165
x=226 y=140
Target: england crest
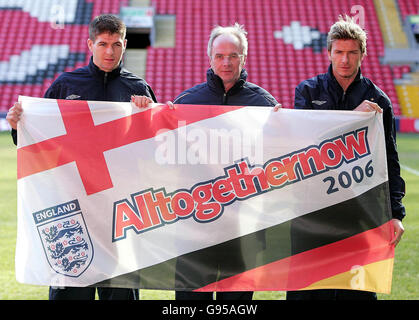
x=65 y=238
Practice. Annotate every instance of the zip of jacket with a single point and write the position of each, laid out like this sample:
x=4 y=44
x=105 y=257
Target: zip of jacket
x=105 y=82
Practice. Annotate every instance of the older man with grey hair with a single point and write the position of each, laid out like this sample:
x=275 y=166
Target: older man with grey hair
x=226 y=85
x=226 y=78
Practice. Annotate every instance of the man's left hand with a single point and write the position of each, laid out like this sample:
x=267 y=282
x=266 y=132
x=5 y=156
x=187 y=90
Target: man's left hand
x=368 y=106
x=398 y=231
x=141 y=101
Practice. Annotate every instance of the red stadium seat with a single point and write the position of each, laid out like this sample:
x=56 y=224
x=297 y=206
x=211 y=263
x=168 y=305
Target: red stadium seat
x=408 y=7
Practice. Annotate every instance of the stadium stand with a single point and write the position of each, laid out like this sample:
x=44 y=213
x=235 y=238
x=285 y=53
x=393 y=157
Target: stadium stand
x=286 y=43
x=35 y=50
x=408 y=7
x=389 y=19
x=409 y=98
x=406 y=80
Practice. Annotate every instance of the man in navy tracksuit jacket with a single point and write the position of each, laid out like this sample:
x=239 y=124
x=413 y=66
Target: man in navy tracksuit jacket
x=94 y=84
x=212 y=91
x=344 y=88
x=103 y=79
x=324 y=93
x=226 y=85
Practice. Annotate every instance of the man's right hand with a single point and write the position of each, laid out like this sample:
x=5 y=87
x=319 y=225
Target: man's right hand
x=13 y=116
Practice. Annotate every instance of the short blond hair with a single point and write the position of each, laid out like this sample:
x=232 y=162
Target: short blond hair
x=347 y=29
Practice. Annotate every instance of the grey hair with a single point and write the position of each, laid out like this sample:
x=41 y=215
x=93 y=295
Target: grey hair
x=236 y=30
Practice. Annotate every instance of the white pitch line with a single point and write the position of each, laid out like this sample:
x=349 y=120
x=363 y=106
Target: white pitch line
x=415 y=172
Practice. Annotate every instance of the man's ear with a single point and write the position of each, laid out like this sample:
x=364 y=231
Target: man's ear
x=329 y=55
x=90 y=44
x=210 y=62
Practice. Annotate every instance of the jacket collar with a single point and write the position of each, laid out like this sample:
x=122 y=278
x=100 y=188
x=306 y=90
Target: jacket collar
x=332 y=78
x=95 y=71
x=216 y=84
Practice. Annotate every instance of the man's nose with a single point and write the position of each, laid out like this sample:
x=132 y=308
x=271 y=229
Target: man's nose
x=345 y=57
x=109 y=50
x=226 y=60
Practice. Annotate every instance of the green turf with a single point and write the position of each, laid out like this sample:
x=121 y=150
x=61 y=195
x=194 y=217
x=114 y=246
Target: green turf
x=405 y=277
